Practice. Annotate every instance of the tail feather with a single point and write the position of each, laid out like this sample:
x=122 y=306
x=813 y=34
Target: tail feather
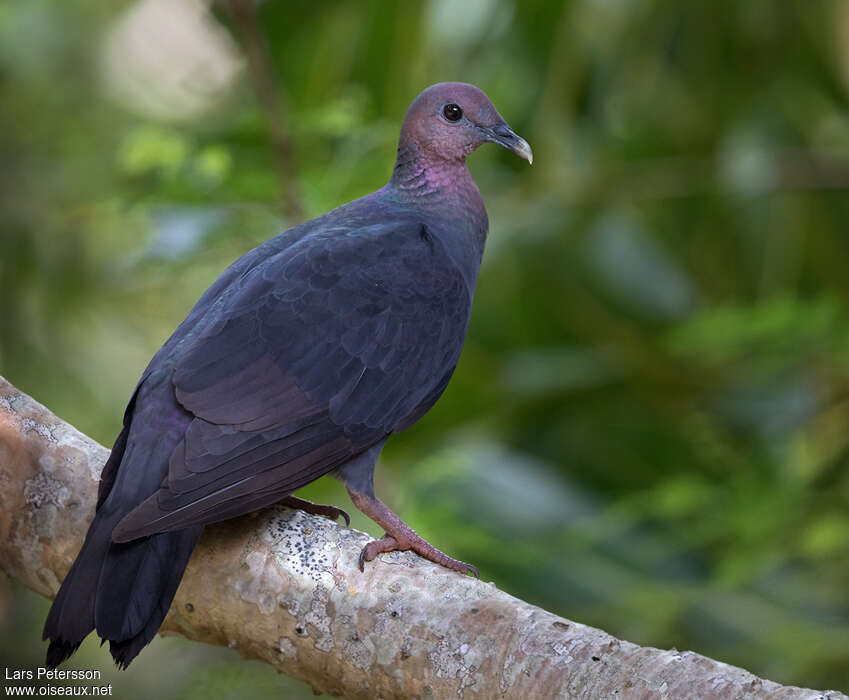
x=130 y=585
x=121 y=590
x=71 y=616
x=125 y=648
x=58 y=651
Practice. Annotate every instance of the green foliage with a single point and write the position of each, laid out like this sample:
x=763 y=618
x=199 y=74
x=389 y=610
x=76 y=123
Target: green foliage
x=648 y=430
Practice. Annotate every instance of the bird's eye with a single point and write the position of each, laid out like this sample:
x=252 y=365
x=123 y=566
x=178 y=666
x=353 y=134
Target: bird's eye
x=452 y=112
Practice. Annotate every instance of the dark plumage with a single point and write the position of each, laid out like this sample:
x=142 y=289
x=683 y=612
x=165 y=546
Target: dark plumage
x=300 y=360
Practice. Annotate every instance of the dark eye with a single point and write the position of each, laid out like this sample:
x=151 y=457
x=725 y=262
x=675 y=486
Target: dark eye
x=452 y=112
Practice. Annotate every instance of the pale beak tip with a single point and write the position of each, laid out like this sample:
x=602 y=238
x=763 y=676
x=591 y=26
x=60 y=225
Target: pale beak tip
x=523 y=150
x=503 y=135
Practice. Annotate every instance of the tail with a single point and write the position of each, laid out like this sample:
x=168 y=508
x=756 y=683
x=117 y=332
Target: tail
x=137 y=584
x=122 y=590
x=71 y=616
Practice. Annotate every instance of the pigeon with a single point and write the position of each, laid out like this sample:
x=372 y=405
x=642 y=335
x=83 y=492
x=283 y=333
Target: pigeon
x=300 y=360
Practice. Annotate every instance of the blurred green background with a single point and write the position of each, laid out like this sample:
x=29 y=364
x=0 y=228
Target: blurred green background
x=648 y=430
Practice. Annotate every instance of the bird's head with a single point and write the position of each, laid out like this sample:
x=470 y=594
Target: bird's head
x=450 y=120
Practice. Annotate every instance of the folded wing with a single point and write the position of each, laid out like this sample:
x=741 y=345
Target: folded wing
x=306 y=360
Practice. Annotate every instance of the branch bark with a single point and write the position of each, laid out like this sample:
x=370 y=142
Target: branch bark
x=283 y=586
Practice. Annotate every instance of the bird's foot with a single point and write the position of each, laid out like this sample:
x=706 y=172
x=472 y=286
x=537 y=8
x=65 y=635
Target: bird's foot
x=389 y=543
x=331 y=512
x=400 y=536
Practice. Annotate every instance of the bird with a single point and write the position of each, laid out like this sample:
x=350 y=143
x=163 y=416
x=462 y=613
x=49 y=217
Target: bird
x=300 y=360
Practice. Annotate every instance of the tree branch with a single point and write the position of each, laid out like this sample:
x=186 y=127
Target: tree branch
x=283 y=586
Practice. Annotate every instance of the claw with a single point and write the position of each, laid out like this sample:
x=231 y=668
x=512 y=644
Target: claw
x=347 y=517
x=388 y=543
x=331 y=512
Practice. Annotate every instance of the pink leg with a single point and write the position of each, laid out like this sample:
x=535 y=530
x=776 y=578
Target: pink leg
x=331 y=512
x=400 y=536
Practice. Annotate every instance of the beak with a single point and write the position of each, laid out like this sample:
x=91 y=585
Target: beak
x=503 y=135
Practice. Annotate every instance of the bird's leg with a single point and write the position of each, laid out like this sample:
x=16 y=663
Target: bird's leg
x=331 y=512
x=358 y=476
x=399 y=535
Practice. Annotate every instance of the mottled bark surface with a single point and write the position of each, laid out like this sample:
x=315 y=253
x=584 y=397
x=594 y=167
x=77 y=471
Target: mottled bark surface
x=284 y=587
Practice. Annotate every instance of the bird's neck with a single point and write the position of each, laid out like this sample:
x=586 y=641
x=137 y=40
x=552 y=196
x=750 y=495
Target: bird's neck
x=419 y=176
x=447 y=193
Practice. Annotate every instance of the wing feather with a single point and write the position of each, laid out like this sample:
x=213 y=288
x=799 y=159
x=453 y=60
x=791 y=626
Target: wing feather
x=307 y=359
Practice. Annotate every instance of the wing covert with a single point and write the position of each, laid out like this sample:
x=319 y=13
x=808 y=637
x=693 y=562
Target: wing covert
x=363 y=324
x=310 y=357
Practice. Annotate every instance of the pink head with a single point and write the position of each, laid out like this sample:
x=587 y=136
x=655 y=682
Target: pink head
x=448 y=121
